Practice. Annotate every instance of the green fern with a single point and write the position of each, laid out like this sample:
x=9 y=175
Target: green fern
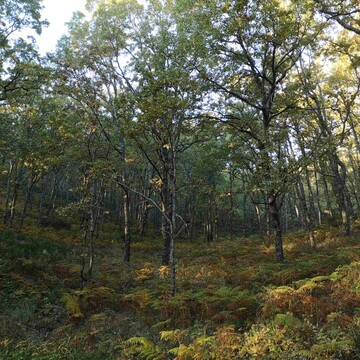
x=72 y=306
x=144 y=347
x=175 y=336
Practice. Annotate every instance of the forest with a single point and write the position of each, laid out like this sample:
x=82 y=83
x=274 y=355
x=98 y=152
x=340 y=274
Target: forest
x=181 y=180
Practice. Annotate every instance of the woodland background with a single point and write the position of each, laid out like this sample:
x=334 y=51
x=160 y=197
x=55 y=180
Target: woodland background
x=181 y=180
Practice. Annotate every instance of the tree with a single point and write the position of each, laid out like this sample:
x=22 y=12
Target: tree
x=167 y=97
x=345 y=12
x=253 y=48
x=94 y=76
x=15 y=52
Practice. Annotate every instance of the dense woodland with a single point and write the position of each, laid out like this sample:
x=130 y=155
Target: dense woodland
x=181 y=180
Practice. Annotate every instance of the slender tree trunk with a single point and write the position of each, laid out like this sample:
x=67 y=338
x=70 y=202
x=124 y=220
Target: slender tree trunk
x=327 y=196
x=268 y=215
x=144 y=206
x=339 y=188
x=83 y=256
x=312 y=208
x=41 y=202
x=258 y=217
x=92 y=222
x=119 y=208
x=172 y=197
x=308 y=213
x=291 y=211
x=275 y=210
x=126 y=202
x=15 y=193
x=53 y=192
x=127 y=239
x=166 y=207
x=32 y=181
x=190 y=215
x=12 y=170
x=356 y=180
x=319 y=207
x=245 y=210
x=143 y=218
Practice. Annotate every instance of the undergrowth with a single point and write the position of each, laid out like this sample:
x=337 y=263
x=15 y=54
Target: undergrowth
x=232 y=301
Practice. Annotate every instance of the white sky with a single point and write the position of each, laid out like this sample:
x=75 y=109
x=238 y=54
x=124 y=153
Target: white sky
x=57 y=13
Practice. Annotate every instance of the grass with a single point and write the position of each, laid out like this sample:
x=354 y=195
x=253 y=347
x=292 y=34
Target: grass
x=232 y=300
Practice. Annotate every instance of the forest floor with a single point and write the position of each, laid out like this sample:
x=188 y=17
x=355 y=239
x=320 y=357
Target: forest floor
x=233 y=301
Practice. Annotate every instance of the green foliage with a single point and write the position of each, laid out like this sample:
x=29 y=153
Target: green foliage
x=95 y=299
x=143 y=347
x=334 y=349
x=47 y=351
x=224 y=309
x=17 y=245
x=72 y=306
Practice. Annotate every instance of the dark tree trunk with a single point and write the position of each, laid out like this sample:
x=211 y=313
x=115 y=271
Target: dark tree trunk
x=319 y=207
x=41 y=202
x=92 y=223
x=166 y=208
x=34 y=178
x=275 y=210
x=13 y=203
x=126 y=202
x=53 y=194
x=308 y=215
x=127 y=239
x=339 y=188
x=12 y=170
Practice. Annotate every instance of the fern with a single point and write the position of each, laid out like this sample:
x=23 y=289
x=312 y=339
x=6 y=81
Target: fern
x=161 y=324
x=288 y=320
x=333 y=348
x=144 y=347
x=175 y=336
x=72 y=306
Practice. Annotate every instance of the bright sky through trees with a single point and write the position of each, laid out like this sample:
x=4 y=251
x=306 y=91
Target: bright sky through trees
x=57 y=13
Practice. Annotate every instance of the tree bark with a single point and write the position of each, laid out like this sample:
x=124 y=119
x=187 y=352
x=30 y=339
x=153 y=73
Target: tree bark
x=41 y=202
x=339 y=188
x=275 y=210
x=15 y=193
x=34 y=178
x=12 y=170
x=92 y=223
x=53 y=194
x=166 y=207
x=125 y=202
x=127 y=238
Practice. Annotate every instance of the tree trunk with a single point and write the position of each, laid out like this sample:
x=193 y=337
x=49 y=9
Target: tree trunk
x=143 y=217
x=14 y=196
x=355 y=184
x=83 y=256
x=41 y=203
x=12 y=170
x=339 y=188
x=327 y=196
x=92 y=222
x=127 y=239
x=166 y=207
x=308 y=215
x=172 y=196
x=119 y=208
x=52 y=198
x=275 y=210
x=125 y=201
x=319 y=207
x=34 y=178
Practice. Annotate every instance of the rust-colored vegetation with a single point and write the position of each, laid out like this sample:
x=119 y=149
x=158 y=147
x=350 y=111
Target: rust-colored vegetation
x=232 y=301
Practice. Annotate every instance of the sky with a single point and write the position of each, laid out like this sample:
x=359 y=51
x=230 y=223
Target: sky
x=57 y=13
